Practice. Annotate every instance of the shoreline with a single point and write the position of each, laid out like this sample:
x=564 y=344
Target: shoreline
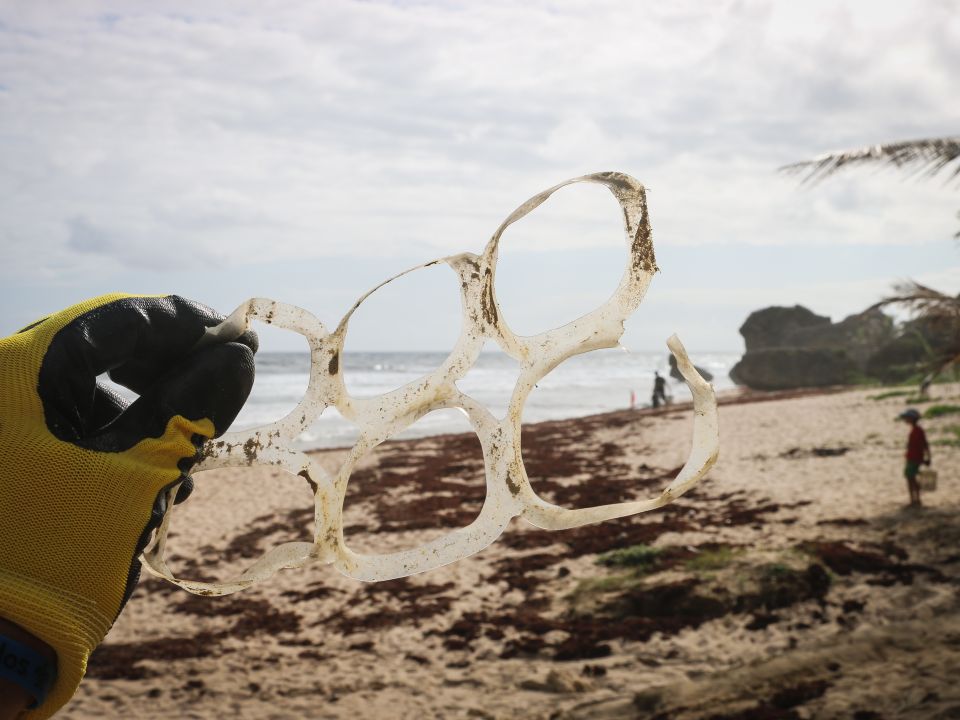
x=736 y=396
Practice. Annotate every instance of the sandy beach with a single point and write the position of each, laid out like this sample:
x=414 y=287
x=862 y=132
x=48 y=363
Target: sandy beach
x=793 y=583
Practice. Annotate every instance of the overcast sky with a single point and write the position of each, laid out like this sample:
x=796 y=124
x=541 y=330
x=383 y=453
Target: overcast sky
x=306 y=150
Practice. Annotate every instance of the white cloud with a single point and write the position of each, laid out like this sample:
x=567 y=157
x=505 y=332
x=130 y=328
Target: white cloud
x=837 y=297
x=143 y=135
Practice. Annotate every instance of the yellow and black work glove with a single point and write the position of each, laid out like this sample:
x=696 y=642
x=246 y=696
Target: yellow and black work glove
x=83 y=473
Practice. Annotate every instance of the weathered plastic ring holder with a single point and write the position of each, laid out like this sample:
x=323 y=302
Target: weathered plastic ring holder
x=509 y=493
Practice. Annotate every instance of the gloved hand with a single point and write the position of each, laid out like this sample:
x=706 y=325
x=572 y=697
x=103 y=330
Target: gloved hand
x=83 y=474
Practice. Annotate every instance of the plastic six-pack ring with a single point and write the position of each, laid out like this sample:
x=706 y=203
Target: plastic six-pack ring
x=508 y=490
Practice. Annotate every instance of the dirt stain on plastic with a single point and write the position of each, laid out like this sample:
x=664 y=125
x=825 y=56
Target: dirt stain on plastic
x=487 y=304
x=305 y=474
x=250 y=448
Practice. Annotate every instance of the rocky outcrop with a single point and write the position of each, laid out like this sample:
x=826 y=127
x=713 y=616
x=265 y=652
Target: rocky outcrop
x=786 y=368
x=794 y=347
x=776 y=326
x=676 y=375
x=921 y=345
x=899 y=359
x=860 y=336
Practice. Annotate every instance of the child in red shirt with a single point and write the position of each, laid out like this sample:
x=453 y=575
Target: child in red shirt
x=918 y=451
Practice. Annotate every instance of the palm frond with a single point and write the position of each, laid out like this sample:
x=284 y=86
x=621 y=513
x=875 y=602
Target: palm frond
x=933 y=306
x=922 y=301
x=928 y=157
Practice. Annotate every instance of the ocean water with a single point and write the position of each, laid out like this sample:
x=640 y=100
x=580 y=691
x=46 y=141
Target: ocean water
x=596 y=382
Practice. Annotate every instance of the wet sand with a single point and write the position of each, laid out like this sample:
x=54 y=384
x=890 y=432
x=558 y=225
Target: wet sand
x=793 y=583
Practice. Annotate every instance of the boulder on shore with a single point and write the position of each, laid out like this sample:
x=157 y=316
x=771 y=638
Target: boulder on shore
x=922 y=344
x=776 y=326
x=860 y=335
x=675 y=371
x=788 y=368
x=793 y=347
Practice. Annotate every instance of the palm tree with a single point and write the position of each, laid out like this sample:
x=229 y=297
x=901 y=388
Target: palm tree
x=924 y=301
x=936 y=308
x=925 y=157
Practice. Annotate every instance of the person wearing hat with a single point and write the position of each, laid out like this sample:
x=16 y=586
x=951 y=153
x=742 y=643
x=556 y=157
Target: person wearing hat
x=918 y=451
